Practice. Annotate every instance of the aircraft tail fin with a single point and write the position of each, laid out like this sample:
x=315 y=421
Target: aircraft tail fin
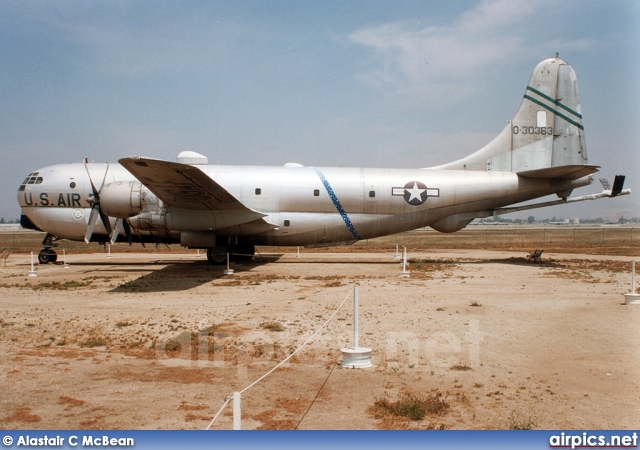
x=545 y=132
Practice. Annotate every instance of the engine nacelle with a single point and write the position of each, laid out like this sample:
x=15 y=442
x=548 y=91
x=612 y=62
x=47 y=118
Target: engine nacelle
x=127 y=199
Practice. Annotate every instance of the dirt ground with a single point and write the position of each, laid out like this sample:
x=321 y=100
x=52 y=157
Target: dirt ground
x=158 y=341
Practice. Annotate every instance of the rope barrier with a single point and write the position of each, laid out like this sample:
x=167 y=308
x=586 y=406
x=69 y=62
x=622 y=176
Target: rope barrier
x=288 y=357
x=226 y=402
x=299 y=348
x=316 y=397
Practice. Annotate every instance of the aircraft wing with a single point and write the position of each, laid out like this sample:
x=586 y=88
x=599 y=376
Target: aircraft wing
x=184 y=186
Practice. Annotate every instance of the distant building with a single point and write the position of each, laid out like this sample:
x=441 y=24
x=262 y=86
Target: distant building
x=10 y=227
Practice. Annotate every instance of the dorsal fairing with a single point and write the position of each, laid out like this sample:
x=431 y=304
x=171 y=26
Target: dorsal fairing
x=545 y=132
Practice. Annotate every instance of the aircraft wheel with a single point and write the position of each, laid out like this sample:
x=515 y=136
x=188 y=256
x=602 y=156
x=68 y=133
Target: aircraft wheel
x=217 y=255
x=47 y=256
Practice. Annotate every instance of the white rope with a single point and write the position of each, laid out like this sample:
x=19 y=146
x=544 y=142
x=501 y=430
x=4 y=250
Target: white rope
x=228 y=398
x=299 y=348
x=226 y=402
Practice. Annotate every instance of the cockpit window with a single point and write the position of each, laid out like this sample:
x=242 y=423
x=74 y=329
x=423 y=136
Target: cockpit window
x=32 y=178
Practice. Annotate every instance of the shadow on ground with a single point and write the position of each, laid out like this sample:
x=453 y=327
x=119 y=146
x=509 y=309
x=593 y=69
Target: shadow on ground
x=184 y=275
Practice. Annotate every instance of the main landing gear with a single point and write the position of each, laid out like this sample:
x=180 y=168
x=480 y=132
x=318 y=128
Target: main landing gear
x=47 y=254
x=239 y=252
x=217 y=255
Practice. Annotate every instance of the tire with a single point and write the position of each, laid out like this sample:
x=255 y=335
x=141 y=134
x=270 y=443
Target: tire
x=47 y=256
x=217 y=255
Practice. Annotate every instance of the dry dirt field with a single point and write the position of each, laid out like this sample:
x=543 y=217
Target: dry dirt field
x=481 y=339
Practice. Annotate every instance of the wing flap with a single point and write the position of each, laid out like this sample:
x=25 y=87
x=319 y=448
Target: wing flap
x=184 y=186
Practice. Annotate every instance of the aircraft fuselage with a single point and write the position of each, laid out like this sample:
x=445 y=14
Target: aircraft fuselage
x=301 y=205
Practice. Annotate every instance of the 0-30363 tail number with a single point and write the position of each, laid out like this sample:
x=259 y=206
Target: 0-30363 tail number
x=544 y=131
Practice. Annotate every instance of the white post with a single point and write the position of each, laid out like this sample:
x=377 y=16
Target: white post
x=227 y=271
x=397 y=253
x=32 y=273
x=633 y=276
x=355 y=318
x=237 y=413
x=404 y=259
x=64 y=257
x=356 y=357
x=632 y=298
x=404 y=272
x=298 y=252
x=108 y=250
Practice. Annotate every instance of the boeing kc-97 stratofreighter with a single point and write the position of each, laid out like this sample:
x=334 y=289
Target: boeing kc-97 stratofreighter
x=231 y=209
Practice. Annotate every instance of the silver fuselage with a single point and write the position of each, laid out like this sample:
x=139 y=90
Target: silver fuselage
x=301 y=205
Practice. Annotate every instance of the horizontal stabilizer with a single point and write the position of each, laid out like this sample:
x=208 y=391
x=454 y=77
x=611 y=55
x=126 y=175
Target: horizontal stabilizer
x=572 y=172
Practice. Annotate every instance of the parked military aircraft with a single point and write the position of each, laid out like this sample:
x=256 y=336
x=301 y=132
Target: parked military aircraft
x=230 y=209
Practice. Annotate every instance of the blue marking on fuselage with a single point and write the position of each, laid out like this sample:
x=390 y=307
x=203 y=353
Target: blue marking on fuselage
x=336 y=203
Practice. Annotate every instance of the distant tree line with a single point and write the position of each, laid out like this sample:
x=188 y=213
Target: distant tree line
x=531 y=220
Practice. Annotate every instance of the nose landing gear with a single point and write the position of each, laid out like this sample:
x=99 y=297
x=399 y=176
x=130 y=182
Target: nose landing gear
x=47 y=254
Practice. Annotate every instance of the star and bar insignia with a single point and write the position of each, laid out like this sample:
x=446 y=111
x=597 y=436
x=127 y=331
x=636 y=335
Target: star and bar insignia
x=415 y=193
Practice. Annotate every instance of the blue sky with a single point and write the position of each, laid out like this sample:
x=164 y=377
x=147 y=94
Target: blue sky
x=331 y=83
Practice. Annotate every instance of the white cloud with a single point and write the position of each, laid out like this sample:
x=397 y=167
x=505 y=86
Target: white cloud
x=440 y=62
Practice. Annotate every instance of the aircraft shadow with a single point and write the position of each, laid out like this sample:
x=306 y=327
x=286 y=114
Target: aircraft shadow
x=519 y=261
x=183 y=275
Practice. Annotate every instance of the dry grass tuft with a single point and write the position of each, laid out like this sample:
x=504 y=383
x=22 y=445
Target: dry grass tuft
x=272 y=326
x=519 y=420
x=411 y=406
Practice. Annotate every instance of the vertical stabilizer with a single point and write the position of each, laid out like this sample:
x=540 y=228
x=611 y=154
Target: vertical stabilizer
x=545 y=132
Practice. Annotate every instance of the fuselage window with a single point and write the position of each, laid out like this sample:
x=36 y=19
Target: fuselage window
x=372 y=194
x=287 y=223
x=258 y=191
x=316 y=192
